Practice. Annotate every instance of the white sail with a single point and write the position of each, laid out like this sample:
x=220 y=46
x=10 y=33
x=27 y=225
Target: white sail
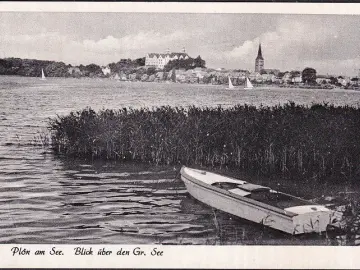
x=42 y=75
x=117 y=77
x=248 y=84
x=230 y=84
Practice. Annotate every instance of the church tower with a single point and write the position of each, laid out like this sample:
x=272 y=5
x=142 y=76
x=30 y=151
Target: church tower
x=259 y=61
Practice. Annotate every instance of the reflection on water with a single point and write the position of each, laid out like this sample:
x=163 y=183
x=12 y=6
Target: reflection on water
x=48 y=199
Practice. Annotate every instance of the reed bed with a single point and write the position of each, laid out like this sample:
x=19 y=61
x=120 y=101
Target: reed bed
x=320 y=141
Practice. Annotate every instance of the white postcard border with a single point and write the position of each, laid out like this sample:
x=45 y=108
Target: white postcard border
x=245 y=257
x=179 y=7
x=255 y=257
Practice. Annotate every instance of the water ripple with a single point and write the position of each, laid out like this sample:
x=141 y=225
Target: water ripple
x=48 y=199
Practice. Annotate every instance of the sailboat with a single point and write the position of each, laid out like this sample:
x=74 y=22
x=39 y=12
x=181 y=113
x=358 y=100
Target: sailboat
x=231 y=86
x=248 y=84
x=42 y=75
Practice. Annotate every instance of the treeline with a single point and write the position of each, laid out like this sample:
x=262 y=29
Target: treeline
x=33 y=67
x=127 y=66
x=186 y=64
x=294 y=141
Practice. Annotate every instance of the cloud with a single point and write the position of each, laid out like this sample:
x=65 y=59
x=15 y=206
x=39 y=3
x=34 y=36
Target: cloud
x=42 y=41
x=288 y=47
x=54 y=46
x=350 y=67
x=327 y=43
x=139 y=41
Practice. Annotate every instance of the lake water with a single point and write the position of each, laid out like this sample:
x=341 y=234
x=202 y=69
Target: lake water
x=49 y=199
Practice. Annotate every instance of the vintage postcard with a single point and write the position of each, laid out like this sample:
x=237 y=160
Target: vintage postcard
x=179 y=135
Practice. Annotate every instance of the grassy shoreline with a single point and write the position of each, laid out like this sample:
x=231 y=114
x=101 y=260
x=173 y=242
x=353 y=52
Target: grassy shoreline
x=262 y=85
x=319 y=141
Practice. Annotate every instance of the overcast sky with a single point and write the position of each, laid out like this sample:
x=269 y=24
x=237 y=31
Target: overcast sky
x=329 y=43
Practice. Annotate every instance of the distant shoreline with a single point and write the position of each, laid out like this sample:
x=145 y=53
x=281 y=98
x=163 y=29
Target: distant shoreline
x=237 y=87
x=137 y=70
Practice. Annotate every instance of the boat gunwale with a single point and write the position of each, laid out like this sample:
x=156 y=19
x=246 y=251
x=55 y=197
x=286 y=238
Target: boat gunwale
x=277 y=210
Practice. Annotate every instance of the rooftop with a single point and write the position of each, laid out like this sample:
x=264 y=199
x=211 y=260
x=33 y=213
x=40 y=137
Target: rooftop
x=173 y=54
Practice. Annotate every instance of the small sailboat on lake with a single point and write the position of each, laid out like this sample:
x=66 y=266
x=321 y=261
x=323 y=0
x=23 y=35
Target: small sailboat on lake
x=248 y=84
x=117 y=77
x=42 y=75
x=231 y=86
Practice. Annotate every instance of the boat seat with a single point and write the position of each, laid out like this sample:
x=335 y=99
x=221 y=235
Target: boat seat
x=225 y=185
x=239 y=192
x=253 y=188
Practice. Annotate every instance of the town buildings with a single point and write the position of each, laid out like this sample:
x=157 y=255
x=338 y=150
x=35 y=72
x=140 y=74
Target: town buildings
x=271 y=71
x=159 y=60
x=323 y=79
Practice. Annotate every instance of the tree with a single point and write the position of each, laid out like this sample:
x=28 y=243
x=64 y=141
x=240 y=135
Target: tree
x=198 y=62
x=189 y=63
x=281 y=74
x=295 y=73
x=180 y=63
x=140 y=61
x=309 y=75
x=333 y=80
x=173 y=75
x=113 y=67
x=151 y=71
x=93 y=68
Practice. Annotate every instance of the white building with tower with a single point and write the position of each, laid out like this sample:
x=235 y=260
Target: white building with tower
x=159 y=60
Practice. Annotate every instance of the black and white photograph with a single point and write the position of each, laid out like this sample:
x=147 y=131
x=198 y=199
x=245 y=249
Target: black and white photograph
x=179 y=128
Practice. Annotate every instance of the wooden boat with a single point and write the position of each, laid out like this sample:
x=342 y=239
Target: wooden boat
x=257 y=203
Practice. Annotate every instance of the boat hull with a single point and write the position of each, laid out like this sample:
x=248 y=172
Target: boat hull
x=280 y=220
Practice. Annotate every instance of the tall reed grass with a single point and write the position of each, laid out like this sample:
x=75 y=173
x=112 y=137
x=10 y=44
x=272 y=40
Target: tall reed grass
x=321 y=141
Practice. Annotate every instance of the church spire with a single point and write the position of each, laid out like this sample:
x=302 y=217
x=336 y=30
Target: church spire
x=259 y=56
x=259 y=61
